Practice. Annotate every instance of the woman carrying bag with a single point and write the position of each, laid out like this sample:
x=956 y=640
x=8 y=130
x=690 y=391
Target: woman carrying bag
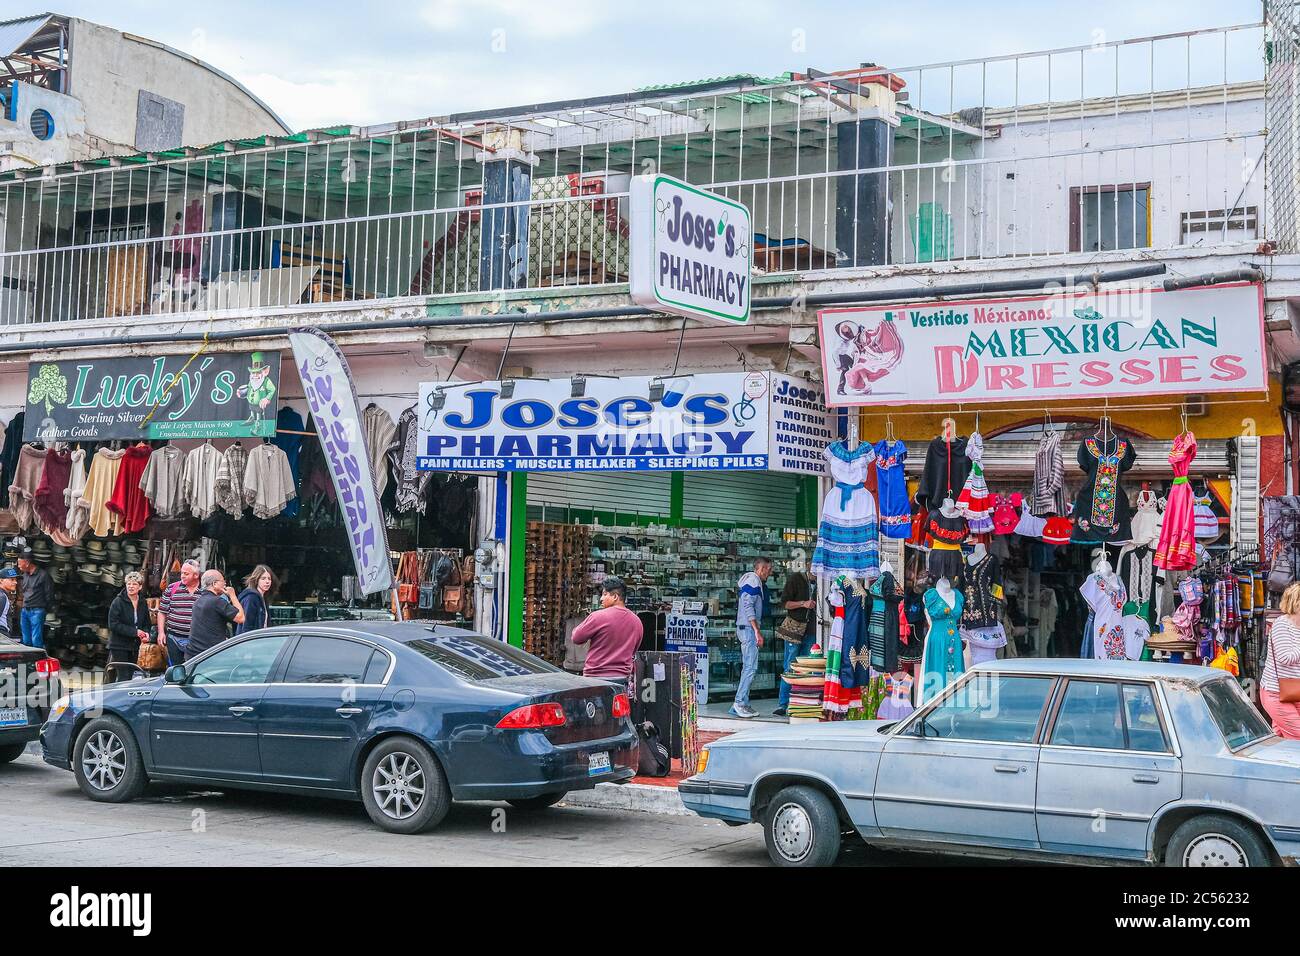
x=128 y=627
x=1280 y=682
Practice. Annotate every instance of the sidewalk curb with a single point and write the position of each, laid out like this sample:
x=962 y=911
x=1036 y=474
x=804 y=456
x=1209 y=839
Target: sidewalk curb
x=638 y=797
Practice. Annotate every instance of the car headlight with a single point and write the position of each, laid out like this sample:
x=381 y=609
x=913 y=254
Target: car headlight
x=702 y=762
x=60 y=706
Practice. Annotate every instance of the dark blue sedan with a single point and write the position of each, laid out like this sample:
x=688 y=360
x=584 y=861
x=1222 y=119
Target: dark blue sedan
x=406 y=716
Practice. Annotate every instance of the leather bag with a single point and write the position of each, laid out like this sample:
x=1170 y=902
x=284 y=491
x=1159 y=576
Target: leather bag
x=453 y=592
x=153 y=658
x=1288 y=690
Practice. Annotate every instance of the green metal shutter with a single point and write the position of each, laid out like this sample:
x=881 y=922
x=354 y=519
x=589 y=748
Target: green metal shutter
x=759 y=498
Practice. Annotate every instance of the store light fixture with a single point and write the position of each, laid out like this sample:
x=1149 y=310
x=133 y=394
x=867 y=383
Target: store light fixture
x=508 y=388
x=657 y=390
x=577 y=386
x=438 y=399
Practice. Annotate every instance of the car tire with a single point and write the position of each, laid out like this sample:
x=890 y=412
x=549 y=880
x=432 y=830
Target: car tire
x=538 y=803
x=1211 y=839
x=107 y=763
x=11 y=752
x=403 y=787
x=802 y=828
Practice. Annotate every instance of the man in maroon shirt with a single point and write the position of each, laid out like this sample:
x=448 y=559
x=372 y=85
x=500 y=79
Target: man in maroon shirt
x=614 y=633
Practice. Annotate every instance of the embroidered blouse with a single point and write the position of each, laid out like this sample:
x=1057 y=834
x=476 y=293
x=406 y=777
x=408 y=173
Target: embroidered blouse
x=1101 y=510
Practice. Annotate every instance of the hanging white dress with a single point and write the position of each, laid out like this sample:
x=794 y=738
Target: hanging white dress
x=848 y=539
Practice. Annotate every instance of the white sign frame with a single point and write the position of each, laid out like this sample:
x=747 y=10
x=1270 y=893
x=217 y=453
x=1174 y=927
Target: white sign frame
x=653 y=200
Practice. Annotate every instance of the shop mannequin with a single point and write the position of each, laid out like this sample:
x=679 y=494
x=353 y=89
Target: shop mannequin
x=981 y=618
x=949 y=508
x=977 y=554
x=946 y=529
x=943 y=661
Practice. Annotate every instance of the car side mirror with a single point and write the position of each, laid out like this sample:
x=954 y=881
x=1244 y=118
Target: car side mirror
x=175 y=674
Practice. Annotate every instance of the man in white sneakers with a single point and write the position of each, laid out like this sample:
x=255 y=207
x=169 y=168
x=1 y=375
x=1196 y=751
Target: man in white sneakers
x=749 y=611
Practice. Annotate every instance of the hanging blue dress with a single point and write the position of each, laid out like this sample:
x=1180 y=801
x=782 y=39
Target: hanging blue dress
x=891 y=489
x=944 y=661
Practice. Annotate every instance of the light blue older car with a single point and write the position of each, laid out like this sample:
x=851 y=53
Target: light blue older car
x=1086 y=761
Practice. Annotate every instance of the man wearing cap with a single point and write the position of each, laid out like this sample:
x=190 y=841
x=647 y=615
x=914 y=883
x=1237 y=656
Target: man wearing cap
x=176 y=612
x=8 y=590
x=38 y=595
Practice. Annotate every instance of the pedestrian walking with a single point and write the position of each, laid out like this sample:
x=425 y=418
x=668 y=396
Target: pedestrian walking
x=256 y=599
x=215 y=609
x=8 y=602
x=128 y=627
x=749 y=612
x=175 y=611
x=38 y=595
x=1283 y=665
x=614 y=633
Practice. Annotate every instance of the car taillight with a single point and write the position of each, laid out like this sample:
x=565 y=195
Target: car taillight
x=532 y=716
x=47 y=665
x=621 y=707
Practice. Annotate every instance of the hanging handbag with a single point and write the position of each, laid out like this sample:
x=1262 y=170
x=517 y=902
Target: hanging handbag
x=1288 y=690
x=792 y=630
x=453 y=592
x=408 y=577
x=1191 y=590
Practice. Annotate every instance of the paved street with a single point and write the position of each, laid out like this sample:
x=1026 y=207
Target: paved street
x=45 y=821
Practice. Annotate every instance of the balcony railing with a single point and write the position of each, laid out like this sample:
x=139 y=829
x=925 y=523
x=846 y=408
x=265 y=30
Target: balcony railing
x=1150 y=143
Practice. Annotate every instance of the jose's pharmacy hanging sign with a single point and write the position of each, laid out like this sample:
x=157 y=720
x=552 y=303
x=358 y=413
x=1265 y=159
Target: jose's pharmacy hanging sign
x=1077 y=345
x=692 y=250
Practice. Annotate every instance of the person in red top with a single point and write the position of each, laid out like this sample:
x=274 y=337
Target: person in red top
x=613 y=632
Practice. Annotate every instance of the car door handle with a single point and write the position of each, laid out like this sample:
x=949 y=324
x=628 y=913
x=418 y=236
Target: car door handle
x=347 y=711
x=1008 y=768
x=241 y=710
x=1146 y=778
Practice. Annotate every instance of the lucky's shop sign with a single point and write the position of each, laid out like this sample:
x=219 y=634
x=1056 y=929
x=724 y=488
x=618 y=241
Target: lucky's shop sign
x=1074 y=345
x=709 y=422
x=210 y=395
x=692 y=250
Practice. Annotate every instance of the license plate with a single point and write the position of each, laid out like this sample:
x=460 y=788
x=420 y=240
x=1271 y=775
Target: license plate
x=597 y=764
x=17 y=716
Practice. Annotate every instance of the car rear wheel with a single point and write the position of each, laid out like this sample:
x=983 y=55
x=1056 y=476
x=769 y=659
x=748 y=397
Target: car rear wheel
x=538 y=803
x=801 y=828
x=1213 y=840
x=403 y=787
x=11 y=752
x=106 y=761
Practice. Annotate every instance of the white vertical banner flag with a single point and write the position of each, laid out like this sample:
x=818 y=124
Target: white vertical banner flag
x=332 y=399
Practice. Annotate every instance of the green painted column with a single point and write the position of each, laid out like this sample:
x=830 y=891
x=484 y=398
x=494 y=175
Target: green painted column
x=677 y=499
x=517 y=548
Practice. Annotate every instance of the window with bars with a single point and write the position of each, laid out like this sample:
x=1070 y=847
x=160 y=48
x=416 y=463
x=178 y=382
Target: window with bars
x=1110 y=217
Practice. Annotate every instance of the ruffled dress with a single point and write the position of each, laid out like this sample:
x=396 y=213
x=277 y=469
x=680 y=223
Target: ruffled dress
x=848 y=538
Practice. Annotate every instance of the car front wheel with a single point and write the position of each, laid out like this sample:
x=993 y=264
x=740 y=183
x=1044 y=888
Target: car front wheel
x=801 y=828
x=107 y=763
x=1214 y=840
x=403 y=787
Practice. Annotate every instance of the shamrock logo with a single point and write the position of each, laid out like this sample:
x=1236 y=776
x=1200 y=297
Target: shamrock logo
x=49 y=385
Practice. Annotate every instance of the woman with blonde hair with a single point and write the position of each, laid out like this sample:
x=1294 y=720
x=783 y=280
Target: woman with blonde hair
x=128 y=627
x=1283 y=664
x=256 y=599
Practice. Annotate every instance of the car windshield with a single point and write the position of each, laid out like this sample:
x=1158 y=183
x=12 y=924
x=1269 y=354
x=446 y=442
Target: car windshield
x=478 y=658
x=1239 y=722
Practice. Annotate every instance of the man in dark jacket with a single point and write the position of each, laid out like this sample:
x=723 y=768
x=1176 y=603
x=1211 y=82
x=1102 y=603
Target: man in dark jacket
x=38 y=596
x=128 y=627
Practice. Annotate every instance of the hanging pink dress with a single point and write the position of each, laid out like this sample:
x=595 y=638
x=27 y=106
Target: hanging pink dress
x=1177 y=548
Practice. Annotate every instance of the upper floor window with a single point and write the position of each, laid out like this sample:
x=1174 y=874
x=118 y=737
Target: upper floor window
x=1110 y=217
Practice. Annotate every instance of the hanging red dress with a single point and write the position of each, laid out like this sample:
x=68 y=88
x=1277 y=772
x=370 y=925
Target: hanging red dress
x=128 y=499
x=1177 y=548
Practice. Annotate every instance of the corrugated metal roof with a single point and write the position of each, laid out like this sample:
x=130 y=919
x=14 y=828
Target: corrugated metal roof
x=14 y=33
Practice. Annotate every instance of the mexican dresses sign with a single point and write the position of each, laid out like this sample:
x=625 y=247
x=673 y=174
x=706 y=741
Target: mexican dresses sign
x=710 y=422
x=327 y=384
x=208 y=395
x=1077 y=345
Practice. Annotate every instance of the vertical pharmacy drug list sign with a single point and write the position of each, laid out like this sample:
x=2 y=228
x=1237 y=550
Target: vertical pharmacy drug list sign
x=692 y=251
x=327 y=383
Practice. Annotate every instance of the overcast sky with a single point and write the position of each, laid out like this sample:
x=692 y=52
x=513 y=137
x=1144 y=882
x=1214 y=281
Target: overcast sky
x=370 y=62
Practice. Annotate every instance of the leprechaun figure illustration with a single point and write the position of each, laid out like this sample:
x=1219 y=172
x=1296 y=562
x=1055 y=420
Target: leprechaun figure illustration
x=258 y=393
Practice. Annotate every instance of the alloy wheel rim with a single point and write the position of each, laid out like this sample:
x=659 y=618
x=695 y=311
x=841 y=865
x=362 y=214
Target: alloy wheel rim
x=1214 y=849
x=398 y=785
x=103 y=760
x=792 y=832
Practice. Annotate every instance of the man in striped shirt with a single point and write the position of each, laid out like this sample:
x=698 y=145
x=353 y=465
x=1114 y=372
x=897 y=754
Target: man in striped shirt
x=175 y=611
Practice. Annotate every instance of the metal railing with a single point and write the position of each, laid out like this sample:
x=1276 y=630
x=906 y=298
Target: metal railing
x=1150 y=143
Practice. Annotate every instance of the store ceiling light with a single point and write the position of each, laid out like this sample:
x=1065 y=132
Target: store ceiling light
x=577 y=386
